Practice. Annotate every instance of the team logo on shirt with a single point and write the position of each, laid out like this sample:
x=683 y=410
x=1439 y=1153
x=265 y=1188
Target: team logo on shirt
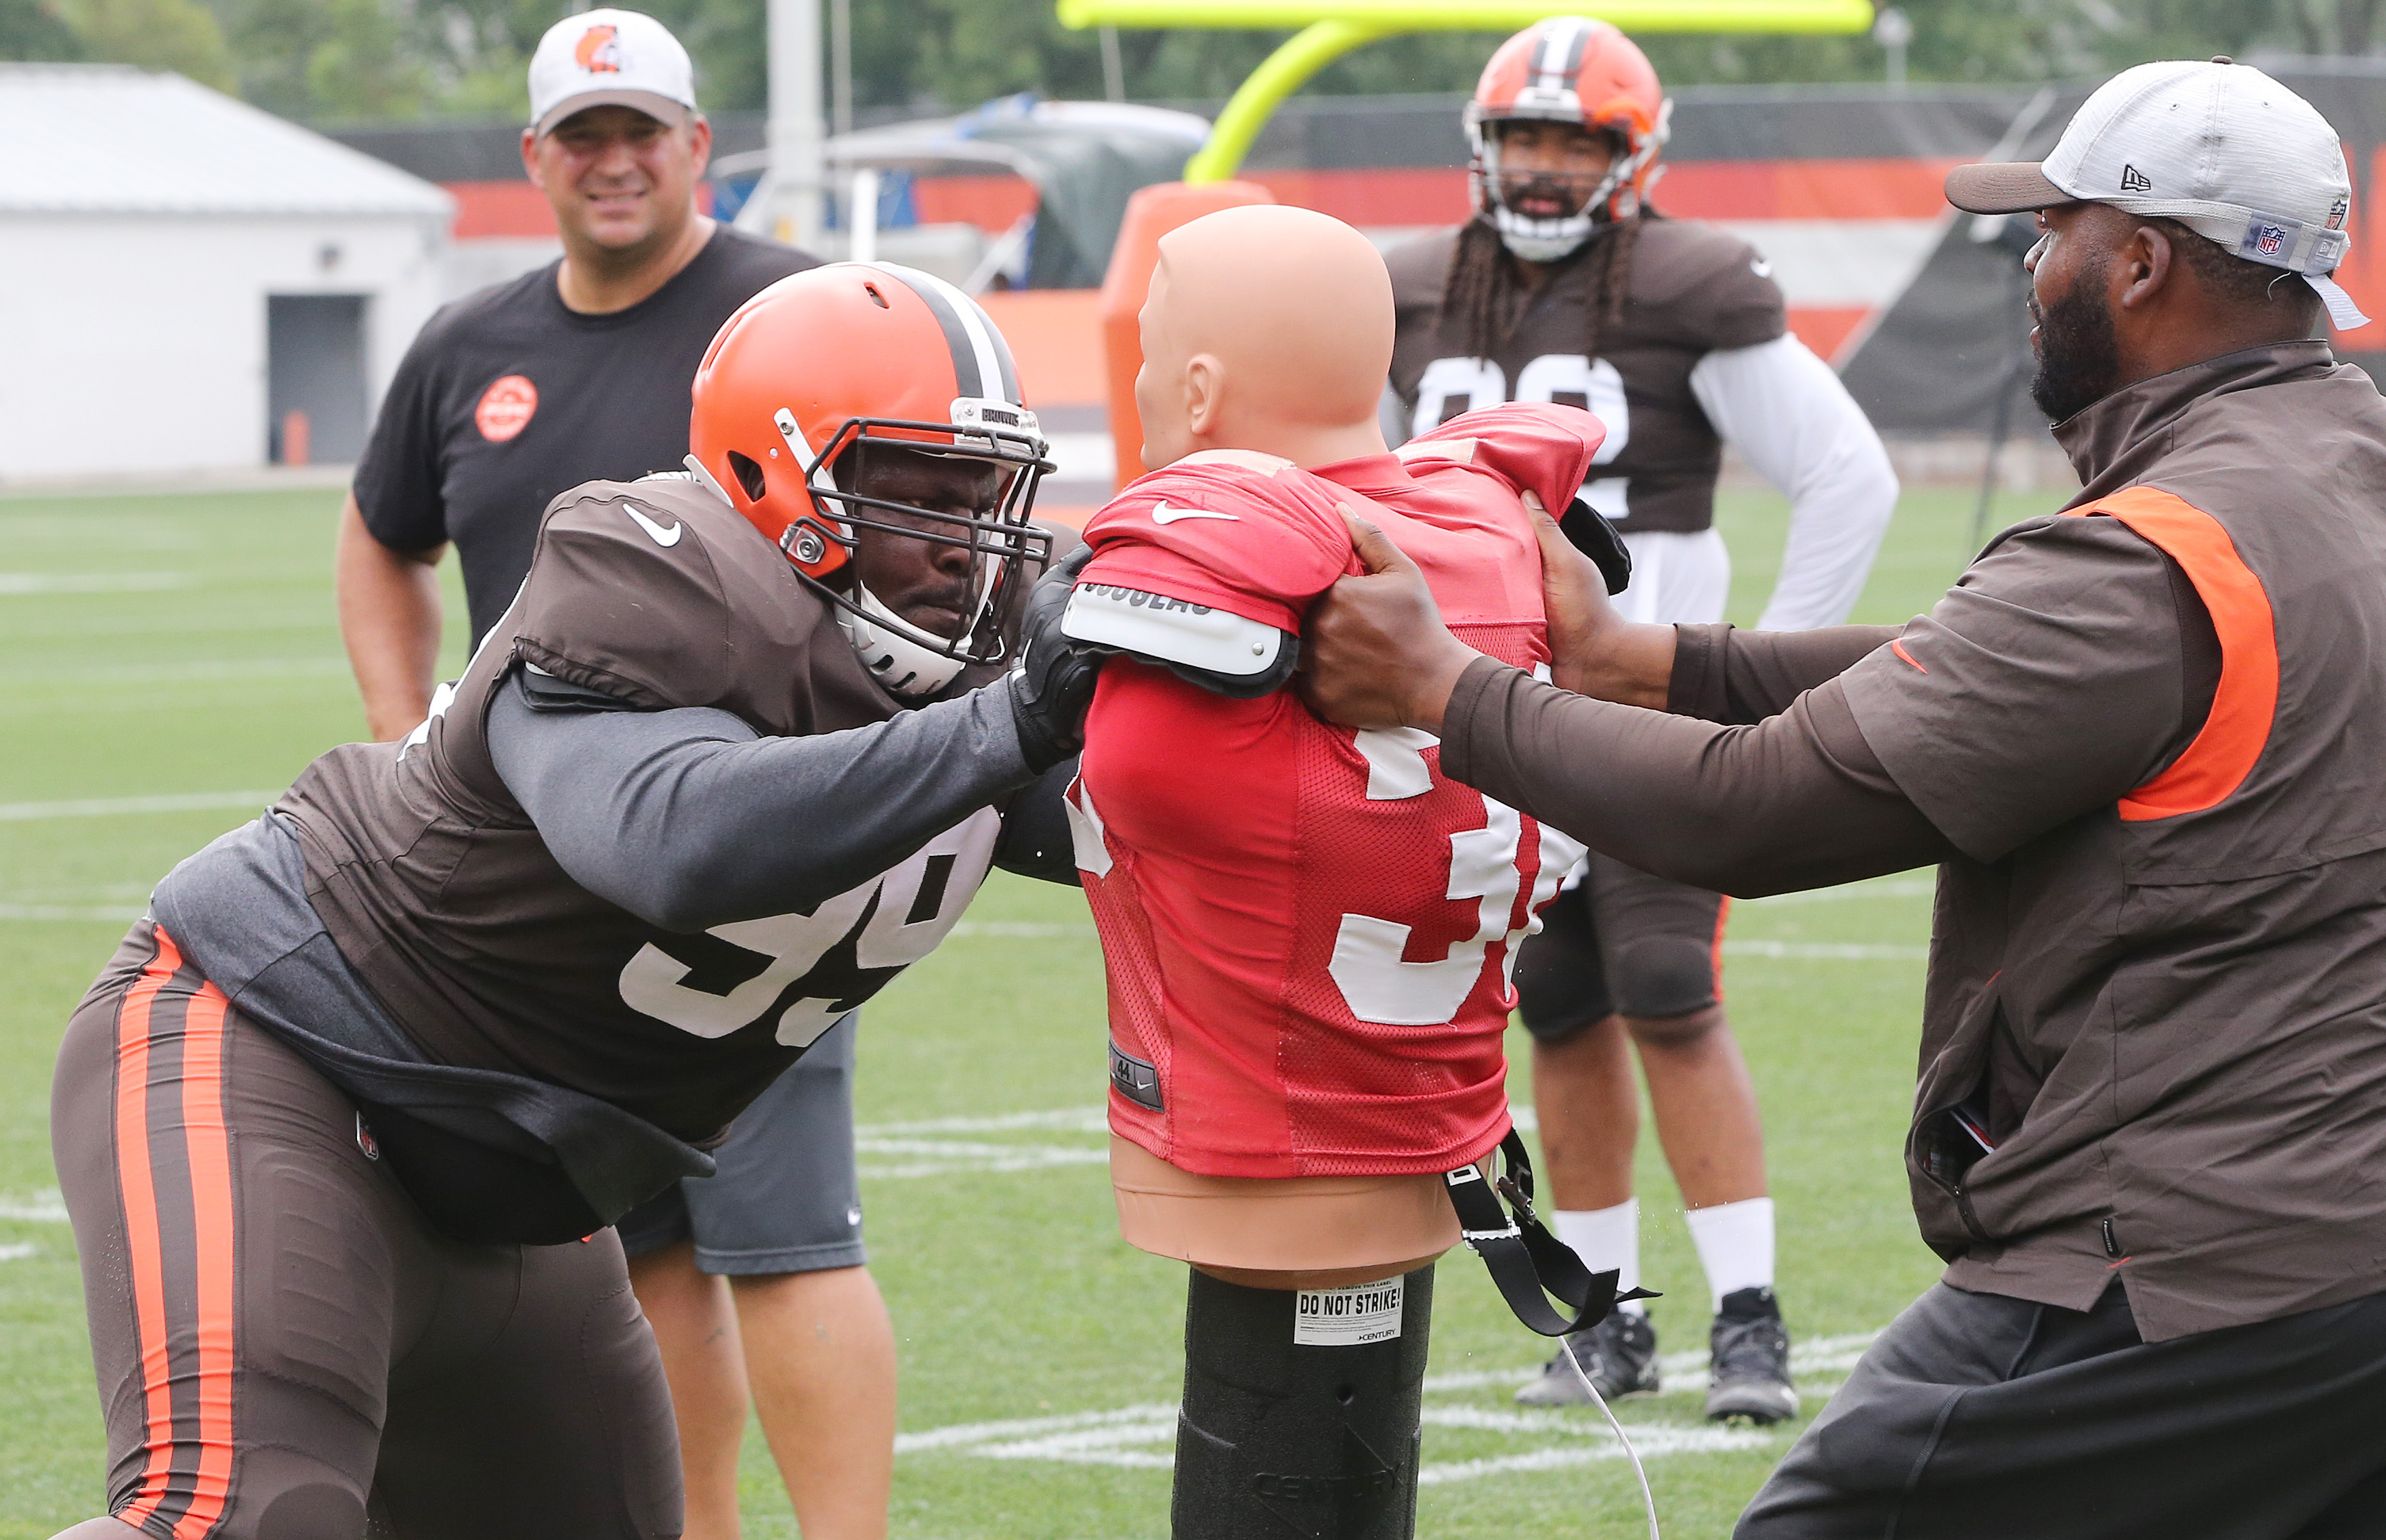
x=600 y=50
x=506 y=407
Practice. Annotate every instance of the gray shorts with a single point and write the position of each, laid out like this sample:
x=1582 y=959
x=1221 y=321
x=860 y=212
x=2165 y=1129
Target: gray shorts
x=786 y=1198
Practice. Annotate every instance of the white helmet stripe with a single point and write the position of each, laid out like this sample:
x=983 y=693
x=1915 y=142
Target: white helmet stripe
x=997 y=376
x=1560 y=53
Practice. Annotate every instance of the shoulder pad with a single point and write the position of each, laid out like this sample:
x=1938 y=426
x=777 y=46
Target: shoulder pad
x=1213 y=648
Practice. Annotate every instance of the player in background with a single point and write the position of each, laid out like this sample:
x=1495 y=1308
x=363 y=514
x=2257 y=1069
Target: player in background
x=344 y=1126
x=1568 y=286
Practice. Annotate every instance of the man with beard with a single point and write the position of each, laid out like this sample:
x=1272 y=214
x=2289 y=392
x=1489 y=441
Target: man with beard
x=1567 y=286
x=2142 y=739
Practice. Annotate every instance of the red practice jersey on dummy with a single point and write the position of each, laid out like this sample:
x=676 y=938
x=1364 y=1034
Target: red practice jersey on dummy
x=1308 y=931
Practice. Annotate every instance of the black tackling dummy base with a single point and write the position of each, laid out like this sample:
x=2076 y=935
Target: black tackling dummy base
x=1302 y=1442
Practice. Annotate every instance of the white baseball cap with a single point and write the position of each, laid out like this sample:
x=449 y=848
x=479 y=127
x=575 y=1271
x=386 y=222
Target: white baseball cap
x=609 y=58
x=2221 y=147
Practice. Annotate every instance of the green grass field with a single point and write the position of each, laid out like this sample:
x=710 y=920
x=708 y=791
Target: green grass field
x=165 y=662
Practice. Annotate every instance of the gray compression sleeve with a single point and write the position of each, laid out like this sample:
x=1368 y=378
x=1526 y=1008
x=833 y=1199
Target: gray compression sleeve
x=688 y=819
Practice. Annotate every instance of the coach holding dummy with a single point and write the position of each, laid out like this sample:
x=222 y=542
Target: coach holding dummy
x=2143 y=740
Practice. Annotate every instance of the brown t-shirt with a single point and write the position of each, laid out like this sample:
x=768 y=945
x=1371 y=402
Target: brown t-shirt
x=439 y=891
x=2154 y=1033
x=1694 y=289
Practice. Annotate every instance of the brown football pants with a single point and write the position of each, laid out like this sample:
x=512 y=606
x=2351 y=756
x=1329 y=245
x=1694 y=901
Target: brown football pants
x=285 y=1349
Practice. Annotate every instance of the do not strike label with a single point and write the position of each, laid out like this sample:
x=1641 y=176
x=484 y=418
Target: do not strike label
x=1347 y=1318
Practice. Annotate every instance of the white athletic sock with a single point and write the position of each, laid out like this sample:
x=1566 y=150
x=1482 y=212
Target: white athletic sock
x=1606 y=1239
x=1734 y=1242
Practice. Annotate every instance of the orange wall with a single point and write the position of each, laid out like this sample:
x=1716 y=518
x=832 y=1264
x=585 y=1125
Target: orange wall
x=1056 y=341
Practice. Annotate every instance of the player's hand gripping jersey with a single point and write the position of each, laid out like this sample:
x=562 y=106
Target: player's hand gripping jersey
x=1309 y=932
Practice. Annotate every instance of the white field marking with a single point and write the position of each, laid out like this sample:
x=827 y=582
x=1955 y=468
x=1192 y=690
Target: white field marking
x=1074 y=1120
x=180 y=673
x=109 y=807
x=1824 y=951
x=921 y=1153
x=916 y=1144
x=18 y=1253
x=1910 y=888
x=1143 y=1438
x=15 y=584
x=114 y=915
x=48 y=1207
x=1796 y=951
x=1820 y=1359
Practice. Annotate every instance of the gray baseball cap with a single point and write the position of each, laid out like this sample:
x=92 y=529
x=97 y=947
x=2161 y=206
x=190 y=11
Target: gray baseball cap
x=2219 y=146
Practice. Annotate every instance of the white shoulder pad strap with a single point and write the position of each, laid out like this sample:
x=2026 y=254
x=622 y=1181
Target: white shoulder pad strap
x=1171 y=631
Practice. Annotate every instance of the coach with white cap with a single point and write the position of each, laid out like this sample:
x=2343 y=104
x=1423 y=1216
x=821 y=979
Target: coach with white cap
x=2143 y=740
x=754 y=1280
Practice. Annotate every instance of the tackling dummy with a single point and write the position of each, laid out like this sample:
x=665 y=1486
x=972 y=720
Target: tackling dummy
x=1309 y=933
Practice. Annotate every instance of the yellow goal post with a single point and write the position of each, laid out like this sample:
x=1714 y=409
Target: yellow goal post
x=1330 y=29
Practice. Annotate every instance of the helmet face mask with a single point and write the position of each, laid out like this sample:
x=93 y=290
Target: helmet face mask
x=866 y=418
x=1574 y=71
x=1587 y=199
x=851 y=517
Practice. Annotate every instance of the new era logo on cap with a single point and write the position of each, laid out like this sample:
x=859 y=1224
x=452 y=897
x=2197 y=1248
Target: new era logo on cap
x=2134 y=180
x=609 y=58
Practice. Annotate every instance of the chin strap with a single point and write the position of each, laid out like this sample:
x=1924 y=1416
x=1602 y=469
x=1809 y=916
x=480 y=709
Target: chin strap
x=1527 y=1262
x=905 y=667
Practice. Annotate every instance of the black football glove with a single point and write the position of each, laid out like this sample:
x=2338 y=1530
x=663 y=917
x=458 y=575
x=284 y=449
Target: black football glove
x=1054 y=682
x=1597 y=539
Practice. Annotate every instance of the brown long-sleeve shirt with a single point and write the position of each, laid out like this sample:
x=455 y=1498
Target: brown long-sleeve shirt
x=2143 y=747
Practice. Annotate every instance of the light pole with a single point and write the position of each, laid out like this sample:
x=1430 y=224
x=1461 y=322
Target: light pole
x=1892 y=29
x=792 y=184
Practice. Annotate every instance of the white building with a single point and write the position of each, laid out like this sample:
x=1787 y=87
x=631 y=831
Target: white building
x=180 y=272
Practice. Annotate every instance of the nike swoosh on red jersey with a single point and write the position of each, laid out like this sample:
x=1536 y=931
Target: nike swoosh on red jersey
x=1162 y=514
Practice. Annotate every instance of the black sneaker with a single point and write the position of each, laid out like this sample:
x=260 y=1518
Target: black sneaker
x=1750 y=1376
x=1619 y=1355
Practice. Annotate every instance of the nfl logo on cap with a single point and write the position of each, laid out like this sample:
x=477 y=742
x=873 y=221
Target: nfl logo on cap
x=2270 y=240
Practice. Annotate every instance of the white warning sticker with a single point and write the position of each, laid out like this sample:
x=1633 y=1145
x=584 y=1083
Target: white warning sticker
x=1347 y=1318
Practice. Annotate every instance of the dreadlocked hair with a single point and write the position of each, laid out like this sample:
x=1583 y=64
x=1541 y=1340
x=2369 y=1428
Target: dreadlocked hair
x=1482 y=291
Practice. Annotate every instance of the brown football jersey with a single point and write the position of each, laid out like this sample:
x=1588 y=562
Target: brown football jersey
x=1694 y=289
x=441 y=894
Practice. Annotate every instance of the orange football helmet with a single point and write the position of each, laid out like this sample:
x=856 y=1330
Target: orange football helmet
x=858 y=353
x=1569 y=69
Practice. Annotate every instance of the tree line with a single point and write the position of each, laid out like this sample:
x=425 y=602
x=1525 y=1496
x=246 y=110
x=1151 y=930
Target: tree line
x=334 y=61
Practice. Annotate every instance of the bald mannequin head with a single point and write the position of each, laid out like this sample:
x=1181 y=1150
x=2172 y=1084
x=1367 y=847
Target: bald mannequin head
x=1268 y=327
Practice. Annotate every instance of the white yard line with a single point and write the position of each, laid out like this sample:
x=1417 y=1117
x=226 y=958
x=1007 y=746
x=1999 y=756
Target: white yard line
x=110 y=807
x=15 y=584
x=1904 y=888
x=1792 y=951
x=46 y=1207
x=1824 y=951
x=194 y=671
x=114 y=914
x=18 y=1253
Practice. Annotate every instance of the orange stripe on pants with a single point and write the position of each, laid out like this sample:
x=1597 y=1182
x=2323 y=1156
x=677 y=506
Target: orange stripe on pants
x=210 y=1145
x=143 y=1246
